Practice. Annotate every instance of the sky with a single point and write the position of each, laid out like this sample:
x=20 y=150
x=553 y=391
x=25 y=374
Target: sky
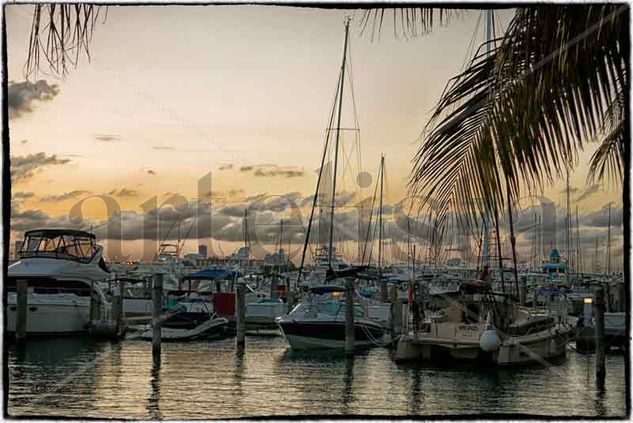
x=173 y=93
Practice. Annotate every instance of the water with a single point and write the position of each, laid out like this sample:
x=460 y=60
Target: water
x=85 y=378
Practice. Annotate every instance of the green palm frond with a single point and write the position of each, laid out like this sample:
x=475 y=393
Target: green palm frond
x=608 y=160
x=521 y=113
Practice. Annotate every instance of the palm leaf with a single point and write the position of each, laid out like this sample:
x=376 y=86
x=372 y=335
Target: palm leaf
x=521 y=113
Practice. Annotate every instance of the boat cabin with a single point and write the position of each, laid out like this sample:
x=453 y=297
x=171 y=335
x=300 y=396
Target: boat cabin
x=67 y=244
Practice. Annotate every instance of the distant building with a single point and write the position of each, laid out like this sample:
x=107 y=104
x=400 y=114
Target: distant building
x=18 y=247
x=202 y=250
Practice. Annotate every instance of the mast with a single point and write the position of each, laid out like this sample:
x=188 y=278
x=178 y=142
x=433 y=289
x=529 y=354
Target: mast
x=382 y=183
x=609 y=243
x=567 y=229
x=338 y=133
x=578 y=248
x=316 y=192
x=383 y=284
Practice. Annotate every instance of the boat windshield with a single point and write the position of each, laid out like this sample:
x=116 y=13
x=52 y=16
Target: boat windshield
x=57 y=244
x=328 y=304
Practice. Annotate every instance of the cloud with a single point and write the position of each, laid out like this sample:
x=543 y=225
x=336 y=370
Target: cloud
x=123 y=192
x=151 y=172
x=25 y=167
x=162 y=147
x=600 y=218
x=592 y=189
x=228 y=166
x=65 y=196
x=22 y=195
x=271 y=170
x=24 y=142
x=22 y=96
x=107 y=137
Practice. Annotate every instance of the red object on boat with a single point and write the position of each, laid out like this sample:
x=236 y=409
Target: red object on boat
x=224 y=303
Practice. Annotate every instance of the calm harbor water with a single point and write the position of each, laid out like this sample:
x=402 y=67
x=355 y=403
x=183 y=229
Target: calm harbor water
x=85 y=378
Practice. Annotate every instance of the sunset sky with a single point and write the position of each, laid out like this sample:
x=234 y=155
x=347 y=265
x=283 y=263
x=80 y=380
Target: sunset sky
x=172 y=93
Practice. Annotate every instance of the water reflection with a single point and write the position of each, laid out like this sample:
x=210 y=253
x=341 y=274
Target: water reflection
x=348 y=382
x=215 y=380
x=154 y=398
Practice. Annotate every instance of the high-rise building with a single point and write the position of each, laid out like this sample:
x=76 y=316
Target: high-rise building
x=202 y=250
x=18 y=247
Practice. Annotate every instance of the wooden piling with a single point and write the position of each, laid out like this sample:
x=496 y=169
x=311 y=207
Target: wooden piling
x=349 y=316
x=599 y=307
x=117 y=306
x=240 y=314
x=157 y=309
x=21 y=316
x=523 y=291
x=95 y=304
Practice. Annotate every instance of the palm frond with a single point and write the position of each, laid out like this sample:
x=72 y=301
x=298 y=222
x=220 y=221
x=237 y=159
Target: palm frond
x=407 y=22
x=59 y=34
x=521 y=113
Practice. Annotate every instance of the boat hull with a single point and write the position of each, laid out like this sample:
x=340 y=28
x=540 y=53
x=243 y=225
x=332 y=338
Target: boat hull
x=329 y=335
x=64 y=314
x=537 y=348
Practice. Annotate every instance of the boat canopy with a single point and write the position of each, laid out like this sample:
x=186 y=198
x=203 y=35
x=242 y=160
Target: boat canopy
x=326 y=289
x=68 y=244
x=213 y=274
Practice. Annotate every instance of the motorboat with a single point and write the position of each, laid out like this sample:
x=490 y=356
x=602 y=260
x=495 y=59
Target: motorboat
x=318 y=321
x=474 y=323
x=63 y=269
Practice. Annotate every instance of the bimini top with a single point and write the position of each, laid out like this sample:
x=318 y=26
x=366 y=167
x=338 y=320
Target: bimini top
x=213 y=274
x=66 y=244
x=326 y=289
x=51 y=233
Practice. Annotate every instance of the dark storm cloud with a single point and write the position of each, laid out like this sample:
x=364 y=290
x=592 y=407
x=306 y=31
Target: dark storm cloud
x=25 y=167
x=22 y=96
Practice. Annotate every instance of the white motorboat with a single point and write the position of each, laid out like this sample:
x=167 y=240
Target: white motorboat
x=476 y=324
x=318 y=322
x=62 y=267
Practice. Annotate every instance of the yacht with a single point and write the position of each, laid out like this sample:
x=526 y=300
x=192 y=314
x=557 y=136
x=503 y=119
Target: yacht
x=318 y=321
x=62 y=267
x=474 y=323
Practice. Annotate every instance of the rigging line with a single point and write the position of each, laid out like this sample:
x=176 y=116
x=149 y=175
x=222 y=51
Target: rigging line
x=316 y=194
x=336 y=148
x=373 y=203
x=471 y=45
x=355 y=113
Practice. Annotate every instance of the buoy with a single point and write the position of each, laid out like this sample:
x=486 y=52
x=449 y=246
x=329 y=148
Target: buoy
x=489 y=340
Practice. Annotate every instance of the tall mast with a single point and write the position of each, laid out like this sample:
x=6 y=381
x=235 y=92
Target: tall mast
x=338 y=133
x=567 y=229
x=382 y=187
x=383 y=284
x=609 y=243
x=578 y=248
x=247 y=242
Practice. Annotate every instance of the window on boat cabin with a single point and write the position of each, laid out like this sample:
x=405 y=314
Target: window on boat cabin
x=63 y=246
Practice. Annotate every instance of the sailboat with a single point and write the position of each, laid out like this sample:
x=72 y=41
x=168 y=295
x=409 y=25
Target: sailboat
x=319 y=320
